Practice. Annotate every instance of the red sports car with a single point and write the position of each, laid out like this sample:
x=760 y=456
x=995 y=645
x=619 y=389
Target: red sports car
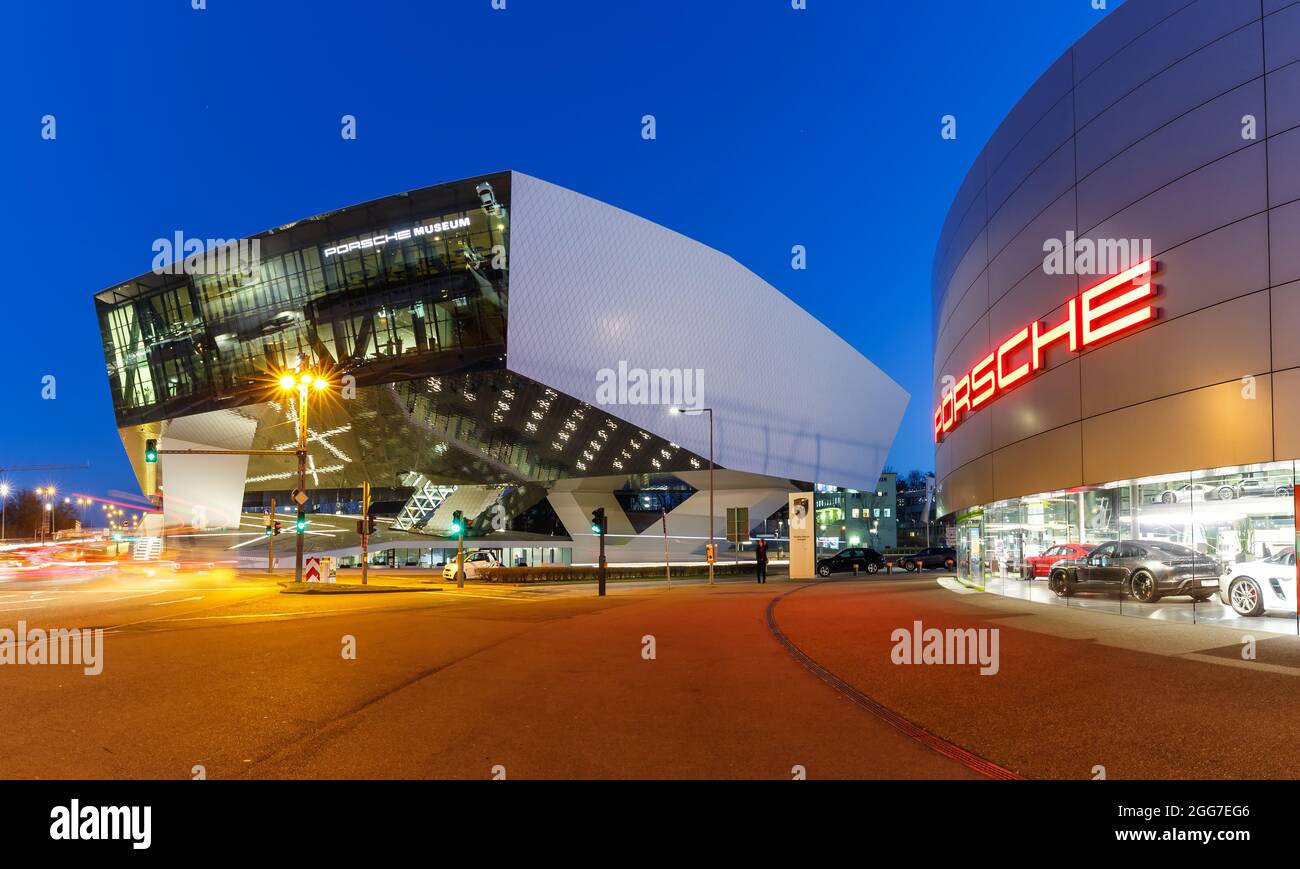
x=1041 y=565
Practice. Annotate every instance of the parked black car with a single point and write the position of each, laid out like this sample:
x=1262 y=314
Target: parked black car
x=866 y=559
x=1146 y=569
x=935 y=556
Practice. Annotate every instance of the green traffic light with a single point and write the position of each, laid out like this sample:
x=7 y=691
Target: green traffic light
x=301 y=524
x=455 y=528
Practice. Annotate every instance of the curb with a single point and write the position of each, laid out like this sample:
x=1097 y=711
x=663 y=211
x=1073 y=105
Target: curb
x=345 y=588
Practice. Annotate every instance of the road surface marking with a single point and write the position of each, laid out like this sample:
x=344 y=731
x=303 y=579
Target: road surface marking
x=179 y=600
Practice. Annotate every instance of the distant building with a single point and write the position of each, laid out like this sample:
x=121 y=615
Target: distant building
x=917 y=524
x=850 y=517
x=506 y=349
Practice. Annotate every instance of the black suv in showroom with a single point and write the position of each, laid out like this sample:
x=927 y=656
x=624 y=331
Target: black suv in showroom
x=935 y=556
x=866 y=559
x=1146 y=569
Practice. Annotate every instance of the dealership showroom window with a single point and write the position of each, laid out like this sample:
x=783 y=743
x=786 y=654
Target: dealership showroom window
x=1242 y=519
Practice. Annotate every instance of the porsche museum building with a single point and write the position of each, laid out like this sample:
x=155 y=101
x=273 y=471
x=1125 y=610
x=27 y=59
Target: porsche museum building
x=1116 y=295
x=503 y=347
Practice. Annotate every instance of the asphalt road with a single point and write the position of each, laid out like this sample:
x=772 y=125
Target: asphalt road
x=222 y=671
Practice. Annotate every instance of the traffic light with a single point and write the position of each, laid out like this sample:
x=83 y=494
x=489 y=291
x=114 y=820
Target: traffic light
x=457 y=524
x=269 y=530
x=278 y=529
x=598 y=521
x=151 y=451
x=370 y=524
x=301 y=525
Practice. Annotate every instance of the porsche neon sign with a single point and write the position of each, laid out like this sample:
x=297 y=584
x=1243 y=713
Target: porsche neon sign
x=1110 y=308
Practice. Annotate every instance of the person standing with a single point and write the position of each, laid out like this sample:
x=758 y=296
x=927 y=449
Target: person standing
x=760 y=560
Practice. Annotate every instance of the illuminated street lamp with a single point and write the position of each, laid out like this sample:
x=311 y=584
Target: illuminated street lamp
x=303 y=381
x=4 y=500
x=693 y=412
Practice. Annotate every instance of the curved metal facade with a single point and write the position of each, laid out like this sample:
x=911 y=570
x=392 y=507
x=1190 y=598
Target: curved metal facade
x=1173 y=122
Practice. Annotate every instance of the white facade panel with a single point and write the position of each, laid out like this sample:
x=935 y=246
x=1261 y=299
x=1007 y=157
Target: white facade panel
x=592 y=286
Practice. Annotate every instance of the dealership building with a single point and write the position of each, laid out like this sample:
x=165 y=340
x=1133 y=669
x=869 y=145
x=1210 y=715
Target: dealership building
x=499 y=346
x=1116 y=296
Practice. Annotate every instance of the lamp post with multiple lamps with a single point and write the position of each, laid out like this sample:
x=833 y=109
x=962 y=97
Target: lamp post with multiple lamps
x=47 y=515
x=303 y=382
x=301 y=379
x=688 y=411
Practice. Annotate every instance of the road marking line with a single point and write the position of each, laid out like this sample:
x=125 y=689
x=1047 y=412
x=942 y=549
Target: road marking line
x=179 y=600
x=134 y=596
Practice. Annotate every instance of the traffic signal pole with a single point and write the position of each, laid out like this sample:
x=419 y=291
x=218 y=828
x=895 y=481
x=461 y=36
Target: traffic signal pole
x=270 y=541
x=604 y=565
x=365 y=532
x=460 y=560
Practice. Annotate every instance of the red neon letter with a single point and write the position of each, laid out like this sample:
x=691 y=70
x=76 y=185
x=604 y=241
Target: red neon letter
x=1005 y=380
x=1069 y=328
x=961 y=398
x=983 y=381
x=949 y=416
x=1092 y=333
x=938 y=422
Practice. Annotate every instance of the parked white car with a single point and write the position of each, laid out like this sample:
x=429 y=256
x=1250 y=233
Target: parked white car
x=474 y=562
x=1255 y=587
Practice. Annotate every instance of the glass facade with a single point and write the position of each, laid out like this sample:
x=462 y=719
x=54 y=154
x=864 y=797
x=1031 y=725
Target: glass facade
x=411 y=285
x=1215 y=545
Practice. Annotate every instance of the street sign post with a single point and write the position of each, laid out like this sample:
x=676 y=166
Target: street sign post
x=737 y=528
x=311 y=569
x=270 y=538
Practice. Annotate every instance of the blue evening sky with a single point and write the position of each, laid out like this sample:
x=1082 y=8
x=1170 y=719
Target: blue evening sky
x=776 y=128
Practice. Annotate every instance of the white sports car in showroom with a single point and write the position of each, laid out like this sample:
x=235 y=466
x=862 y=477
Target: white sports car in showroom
x=1257 y=586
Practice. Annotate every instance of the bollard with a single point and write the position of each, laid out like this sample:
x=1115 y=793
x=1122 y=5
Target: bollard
x=889 y=567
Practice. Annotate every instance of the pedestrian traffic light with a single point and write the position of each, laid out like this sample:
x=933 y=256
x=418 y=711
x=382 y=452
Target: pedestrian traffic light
x=278 y=529
x=301 y=525
x=151 y=451
x=457 y=524
x=598 y=521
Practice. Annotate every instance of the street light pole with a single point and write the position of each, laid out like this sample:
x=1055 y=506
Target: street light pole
x=303 y=386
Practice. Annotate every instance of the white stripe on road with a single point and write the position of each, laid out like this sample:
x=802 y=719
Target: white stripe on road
x=180 y=600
